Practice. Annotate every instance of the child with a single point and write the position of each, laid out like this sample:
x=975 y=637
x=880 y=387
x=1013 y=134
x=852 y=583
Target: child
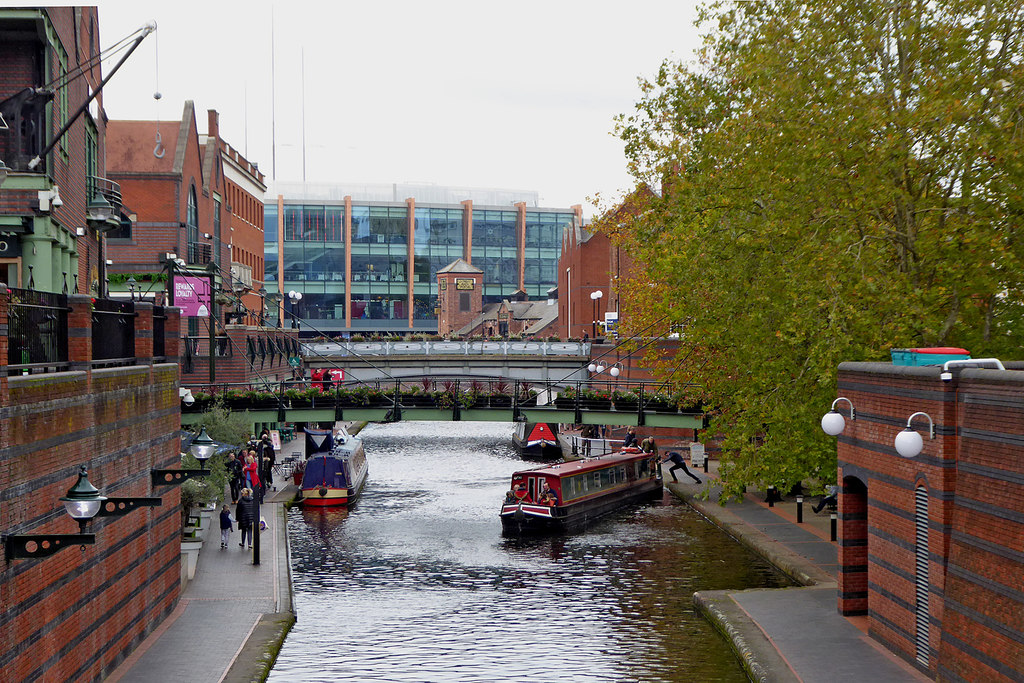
x=226 y=520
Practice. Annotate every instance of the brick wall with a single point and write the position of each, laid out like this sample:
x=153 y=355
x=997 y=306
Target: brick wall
x=74 y=616
x=973 y=474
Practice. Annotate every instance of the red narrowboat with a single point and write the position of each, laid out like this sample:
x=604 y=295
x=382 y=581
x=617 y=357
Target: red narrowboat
x=567 y=496
x=537 y=440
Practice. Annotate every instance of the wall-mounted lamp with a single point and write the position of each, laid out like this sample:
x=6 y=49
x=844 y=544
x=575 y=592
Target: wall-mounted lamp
x=832 y=422
x=80 y=232
x=909 y=442
x=82 y=502
x=202 y=449
x=98 y=212
x=186 y=396
x=50 y=199
x=616 y=370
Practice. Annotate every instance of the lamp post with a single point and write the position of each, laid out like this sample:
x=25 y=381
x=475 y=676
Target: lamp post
x=595 y=297
x=132 y=284
x=98 y=212
x=295 y=297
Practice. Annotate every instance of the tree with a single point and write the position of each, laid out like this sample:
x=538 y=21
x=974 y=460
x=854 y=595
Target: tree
x=835 y=180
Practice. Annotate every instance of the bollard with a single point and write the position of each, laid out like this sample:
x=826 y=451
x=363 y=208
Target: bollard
x=771 y=496
x=705 y=464
x=799 y=509
x=834 y=524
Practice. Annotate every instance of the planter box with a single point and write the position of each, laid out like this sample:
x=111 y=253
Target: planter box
x=565 y=403
x=189 y=559
x=501 y=401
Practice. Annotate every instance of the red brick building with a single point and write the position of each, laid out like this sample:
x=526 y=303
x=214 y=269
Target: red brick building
x=931 y=547
x=460 y=289
x=47 y=242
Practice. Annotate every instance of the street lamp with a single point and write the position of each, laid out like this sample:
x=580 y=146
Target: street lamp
x=595 y=297
x=832 y=422
x=295 y=297
x=909 y=443
x=82 y=502
x=131 y=287
x=202 y=449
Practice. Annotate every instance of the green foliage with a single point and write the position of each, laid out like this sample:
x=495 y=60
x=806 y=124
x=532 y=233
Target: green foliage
x=833 y=180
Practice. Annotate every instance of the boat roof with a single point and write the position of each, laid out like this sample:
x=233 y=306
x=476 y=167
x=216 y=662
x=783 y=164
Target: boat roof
x=586 y=464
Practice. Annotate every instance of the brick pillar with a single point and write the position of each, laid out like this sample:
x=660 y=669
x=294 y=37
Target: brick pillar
x=172 y=334
x=143 y=333
x=80 y=332
x=853 y=548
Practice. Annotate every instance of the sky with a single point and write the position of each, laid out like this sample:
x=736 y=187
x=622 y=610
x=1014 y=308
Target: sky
x=517 y=96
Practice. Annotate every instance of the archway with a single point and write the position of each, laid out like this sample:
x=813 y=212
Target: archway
x=853 y=547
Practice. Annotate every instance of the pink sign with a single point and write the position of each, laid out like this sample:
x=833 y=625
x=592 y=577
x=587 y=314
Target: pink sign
x=192 y=295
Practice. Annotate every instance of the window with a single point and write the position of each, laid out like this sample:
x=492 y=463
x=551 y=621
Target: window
x=464 y=302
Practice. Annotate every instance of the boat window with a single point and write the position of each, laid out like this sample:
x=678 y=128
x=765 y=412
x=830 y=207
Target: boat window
x=531 y=488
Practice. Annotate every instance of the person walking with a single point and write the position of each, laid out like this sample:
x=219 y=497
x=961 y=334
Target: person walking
x=245 y=513
x=679 y=462
x=234 y=468
x=226 y=521
x=251 y=475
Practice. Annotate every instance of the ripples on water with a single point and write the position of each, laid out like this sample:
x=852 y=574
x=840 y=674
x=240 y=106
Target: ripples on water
x=416 y=583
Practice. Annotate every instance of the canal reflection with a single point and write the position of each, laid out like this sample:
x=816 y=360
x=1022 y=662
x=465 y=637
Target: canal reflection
x=416 y=583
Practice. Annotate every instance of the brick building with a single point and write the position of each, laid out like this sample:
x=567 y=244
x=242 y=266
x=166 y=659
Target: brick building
x=200 y=200
x=931 y=547
x=47 y=72
x=75 y=615
x=459 y=296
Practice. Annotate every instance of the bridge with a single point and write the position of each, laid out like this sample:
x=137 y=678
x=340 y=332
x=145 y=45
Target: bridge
x=450 y=399
x=532 y=361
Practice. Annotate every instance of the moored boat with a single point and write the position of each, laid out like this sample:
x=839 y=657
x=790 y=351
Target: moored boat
x=335 y=469
x=537 y=440
x=567 y=496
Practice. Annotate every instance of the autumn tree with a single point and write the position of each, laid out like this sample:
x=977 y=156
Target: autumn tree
x=834 y=179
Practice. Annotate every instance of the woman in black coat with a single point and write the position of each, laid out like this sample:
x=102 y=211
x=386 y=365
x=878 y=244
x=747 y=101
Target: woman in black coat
x=245 y=513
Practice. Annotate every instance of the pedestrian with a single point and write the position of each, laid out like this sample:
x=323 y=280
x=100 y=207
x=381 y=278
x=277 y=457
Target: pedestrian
x=587 y=434
x=679 y=462
x=226 y=520
x=267 y=473
x=251 y=473
x=830 y=499
x=630 y=440
x=649 y=446
x=245 y=513
x=234 y=468
x=266 y=449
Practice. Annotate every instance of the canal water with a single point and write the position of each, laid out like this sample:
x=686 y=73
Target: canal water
x=416 y=583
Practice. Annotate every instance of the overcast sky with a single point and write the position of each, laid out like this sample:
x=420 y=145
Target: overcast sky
x=483 y=94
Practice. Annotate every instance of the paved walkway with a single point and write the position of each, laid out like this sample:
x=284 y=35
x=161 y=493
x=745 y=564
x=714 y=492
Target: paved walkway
x=792 y=634
x=231 y=614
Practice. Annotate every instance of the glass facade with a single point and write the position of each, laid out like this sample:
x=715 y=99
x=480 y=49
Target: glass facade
x=314 y=260
x=496 y=252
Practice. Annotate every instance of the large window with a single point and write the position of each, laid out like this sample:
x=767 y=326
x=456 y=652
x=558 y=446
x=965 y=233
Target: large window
x=380 y=262
x=495 y=252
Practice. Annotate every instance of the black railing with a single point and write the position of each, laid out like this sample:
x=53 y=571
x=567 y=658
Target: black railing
x=199 y=253
x=199 y=347
x=159 y=325
x=113 y=332
x=37 y=332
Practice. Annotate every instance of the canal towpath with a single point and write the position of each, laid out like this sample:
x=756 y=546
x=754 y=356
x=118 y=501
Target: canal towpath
x=232 y=616
x=788 y=634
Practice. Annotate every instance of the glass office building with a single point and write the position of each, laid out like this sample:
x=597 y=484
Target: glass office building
x=366 y=263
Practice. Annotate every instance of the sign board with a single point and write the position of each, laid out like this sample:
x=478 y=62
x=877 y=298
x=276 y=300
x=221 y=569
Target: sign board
x=464 y=283
x=275 y=440
x=294 y=361
x=192 y=295
x=444 y=284
x=611 y=323
x=502 y=315
x=697 y=454
x=337 y=375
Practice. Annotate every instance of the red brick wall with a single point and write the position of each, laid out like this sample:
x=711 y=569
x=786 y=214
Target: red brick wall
x=77 y=614
x=451 y=318
x=974 y=475
x=238 y=367
x=983 y=629
x=589 y=270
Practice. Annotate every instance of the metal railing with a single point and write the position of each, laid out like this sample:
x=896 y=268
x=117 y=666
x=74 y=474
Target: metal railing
x=447 y=348
x=37 y=332
x=113 y=332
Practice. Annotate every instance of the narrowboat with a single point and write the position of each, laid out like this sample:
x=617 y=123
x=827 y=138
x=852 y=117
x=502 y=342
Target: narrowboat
x=538 y=440
x=335 y=468
x=567 y=496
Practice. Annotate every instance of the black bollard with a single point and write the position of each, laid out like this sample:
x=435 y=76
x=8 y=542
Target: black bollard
x=705 y=463
x=256 y=533
x=799 y=509
x=771 y=496
x=834 y=525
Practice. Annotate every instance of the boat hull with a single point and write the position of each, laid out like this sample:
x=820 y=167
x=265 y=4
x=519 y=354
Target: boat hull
x=526 y=519
x=537 y=441
x=334 y=479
